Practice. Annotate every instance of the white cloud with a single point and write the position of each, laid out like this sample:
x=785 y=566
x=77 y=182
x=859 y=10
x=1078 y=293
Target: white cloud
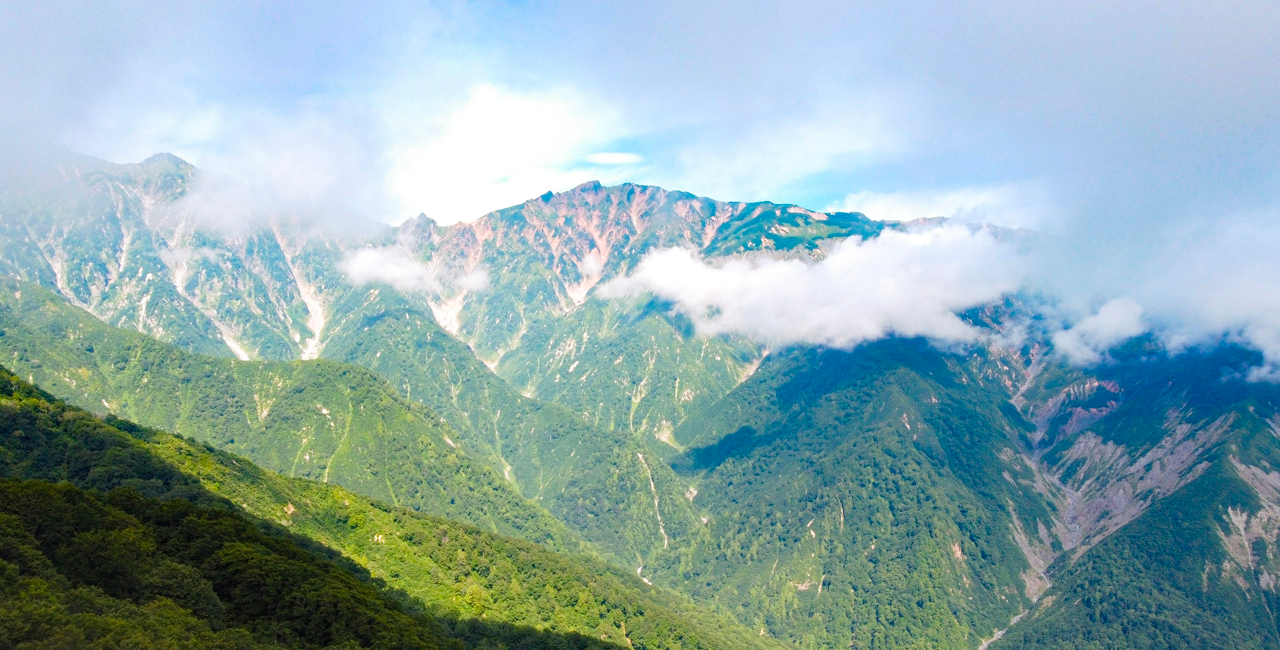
x=1085 y=343
x=498 y=148
x=399 y=267
x=1006 y=205
x=900 y=283
x=393 y=265
x=1202 y=284
x=308 y=171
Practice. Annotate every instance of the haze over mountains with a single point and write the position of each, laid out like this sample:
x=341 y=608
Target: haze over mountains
x=828 y=479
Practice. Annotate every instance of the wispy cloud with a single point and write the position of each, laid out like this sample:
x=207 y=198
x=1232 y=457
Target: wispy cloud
x=393 y=265
x=1007 y=205
x=399 y=267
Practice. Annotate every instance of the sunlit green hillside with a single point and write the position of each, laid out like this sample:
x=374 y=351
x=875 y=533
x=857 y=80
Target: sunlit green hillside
x=330 y=422
x=173 y=562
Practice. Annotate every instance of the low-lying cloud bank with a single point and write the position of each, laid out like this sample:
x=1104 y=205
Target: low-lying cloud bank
x=1203 y=290
x=900 y=283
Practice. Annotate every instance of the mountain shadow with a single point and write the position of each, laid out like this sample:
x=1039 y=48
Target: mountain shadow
x=738 y=444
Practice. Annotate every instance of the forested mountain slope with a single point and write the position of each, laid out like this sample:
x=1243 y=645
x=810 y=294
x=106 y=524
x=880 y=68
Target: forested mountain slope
x=856 y=498
x=144 y=247
x=596 y=480
x=156 y=561
x=321 y=420
x=173 y=563
x=216 y=279
x=888 y=496
x=342 y=424
x=1133 y=506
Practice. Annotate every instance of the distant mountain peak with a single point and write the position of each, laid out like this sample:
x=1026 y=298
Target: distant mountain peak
x=164 y=158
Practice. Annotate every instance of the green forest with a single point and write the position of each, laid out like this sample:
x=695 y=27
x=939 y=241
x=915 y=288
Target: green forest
x=174 y=561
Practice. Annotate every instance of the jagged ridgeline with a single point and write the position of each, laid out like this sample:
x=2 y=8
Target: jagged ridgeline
x=628 y=367
x=113 y=535
x=129 y=244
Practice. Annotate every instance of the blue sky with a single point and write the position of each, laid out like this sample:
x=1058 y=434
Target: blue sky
x=1016 y=112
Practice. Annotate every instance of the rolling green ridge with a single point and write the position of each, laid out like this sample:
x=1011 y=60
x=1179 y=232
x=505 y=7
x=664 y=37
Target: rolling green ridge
x=458 y=570
x=156 y=562
x=317 y=419
x=160 y=534
x=121 y=570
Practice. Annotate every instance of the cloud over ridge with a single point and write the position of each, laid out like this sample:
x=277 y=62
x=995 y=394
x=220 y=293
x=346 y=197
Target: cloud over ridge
x=899 y=283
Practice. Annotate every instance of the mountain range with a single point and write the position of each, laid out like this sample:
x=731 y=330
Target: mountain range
x=688 y=490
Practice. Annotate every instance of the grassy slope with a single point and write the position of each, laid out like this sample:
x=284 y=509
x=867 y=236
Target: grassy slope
x=322 y=420
x=157 y=562
x=626 y=367
x=459 y=571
